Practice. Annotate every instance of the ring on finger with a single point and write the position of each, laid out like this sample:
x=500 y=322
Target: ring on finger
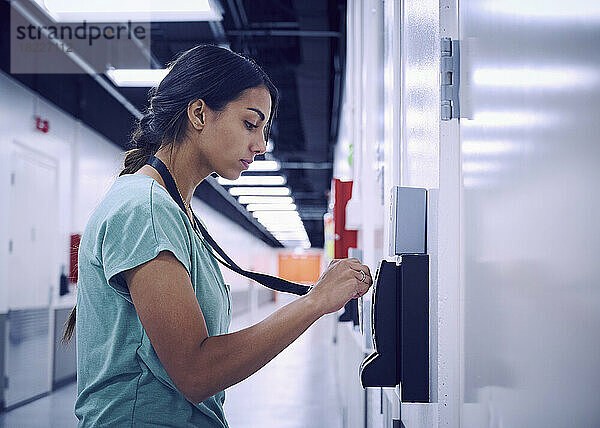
x=364 y=275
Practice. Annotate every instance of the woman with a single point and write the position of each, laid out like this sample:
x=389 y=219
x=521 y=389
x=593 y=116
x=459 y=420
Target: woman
x=152 y=309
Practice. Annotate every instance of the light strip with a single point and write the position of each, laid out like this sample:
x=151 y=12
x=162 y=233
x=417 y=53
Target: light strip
x=265 y=200
x=264 y=165
x=130 y=10
x=275 y=214
x=271 y=207
x=290 y=232
x=282 y=226
x=287 y=221
x=254 y=180
x=295 y=224
x=259 y=191
x=290 y=237
x=136 y=77
x=298 y=230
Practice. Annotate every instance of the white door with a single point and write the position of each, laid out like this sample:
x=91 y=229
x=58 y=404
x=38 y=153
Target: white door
x=33 y=230
x=32 y=271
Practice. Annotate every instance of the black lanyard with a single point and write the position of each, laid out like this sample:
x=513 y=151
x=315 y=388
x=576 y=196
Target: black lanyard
x=269 y=281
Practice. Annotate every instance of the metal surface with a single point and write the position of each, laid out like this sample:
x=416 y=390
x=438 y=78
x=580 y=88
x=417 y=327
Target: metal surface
x=450 y=78
x=2 y=353
x=27 y=355
x=408 y=220
x=530 y=165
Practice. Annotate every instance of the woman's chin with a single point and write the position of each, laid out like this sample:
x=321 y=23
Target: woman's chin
x=231 y=175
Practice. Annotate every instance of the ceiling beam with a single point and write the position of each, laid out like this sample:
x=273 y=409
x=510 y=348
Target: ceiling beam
x=285 y=33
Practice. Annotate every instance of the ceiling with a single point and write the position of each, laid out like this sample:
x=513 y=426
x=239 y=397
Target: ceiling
x=299 y=43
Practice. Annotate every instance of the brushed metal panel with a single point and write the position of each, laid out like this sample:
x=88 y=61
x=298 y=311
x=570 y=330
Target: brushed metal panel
x=531 y=168
x=2 y=344
x=27 y=355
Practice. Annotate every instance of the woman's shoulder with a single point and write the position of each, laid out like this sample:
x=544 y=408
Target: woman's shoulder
x=133 y=190
x=133 y=198
x=135 y=204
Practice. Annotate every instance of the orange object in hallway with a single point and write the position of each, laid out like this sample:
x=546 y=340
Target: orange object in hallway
x=302 y=268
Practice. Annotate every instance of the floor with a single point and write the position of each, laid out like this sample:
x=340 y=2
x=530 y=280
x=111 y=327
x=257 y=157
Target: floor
x=296 y=389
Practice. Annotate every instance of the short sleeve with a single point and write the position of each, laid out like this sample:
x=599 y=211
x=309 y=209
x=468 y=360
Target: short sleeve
x=137 y=232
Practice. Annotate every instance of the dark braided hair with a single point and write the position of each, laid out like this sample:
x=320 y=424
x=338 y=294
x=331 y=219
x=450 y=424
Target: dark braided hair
x=211 y=73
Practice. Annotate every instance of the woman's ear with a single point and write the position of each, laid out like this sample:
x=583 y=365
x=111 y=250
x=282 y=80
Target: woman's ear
x=195 y=113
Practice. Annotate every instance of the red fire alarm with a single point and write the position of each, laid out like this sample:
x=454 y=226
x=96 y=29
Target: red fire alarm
x=344 y=238
x=41 y=124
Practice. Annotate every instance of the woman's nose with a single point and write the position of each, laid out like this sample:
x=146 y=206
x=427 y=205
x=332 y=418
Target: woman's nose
x=260 y=146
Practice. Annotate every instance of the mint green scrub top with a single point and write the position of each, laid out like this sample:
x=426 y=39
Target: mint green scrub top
x=120 y=380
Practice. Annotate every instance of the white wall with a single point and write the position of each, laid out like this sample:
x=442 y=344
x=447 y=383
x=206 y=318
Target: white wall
x=18 y=107
x=512 y=230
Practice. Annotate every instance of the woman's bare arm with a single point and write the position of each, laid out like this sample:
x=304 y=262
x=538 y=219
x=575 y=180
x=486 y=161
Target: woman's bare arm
x=200 y=365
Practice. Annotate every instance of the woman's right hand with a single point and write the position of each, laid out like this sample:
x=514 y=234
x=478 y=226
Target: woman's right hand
x=339 y=283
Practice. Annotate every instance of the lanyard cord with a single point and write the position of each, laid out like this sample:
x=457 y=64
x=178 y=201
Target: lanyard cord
x=268 y=281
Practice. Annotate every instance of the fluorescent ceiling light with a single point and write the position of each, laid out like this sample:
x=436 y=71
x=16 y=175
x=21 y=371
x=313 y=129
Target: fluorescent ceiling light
x=275 y=225
x=264 y=165
x=136 y=77
x=297 y=223
x=254 y=180
x=289 y=237
x=289 y=219
x=289 y=230
x=283 y=226
x=259 y=191
x=275 y=214
x=265 y=200
x=286 y=217
x=130 y=10
x=271 y=207
x=292 y=240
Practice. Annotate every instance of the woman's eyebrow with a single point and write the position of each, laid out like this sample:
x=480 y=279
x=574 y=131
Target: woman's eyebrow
x=258 y=112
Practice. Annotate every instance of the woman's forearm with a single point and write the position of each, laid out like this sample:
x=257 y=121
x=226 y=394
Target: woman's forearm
x=225 y=360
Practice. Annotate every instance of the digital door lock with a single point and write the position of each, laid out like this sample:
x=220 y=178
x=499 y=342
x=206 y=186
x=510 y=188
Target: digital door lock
x=400 y=304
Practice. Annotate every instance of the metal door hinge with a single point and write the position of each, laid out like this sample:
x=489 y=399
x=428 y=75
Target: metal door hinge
x=450 y=78
x=12 y=178
x=10 y=246
x=5 y=382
